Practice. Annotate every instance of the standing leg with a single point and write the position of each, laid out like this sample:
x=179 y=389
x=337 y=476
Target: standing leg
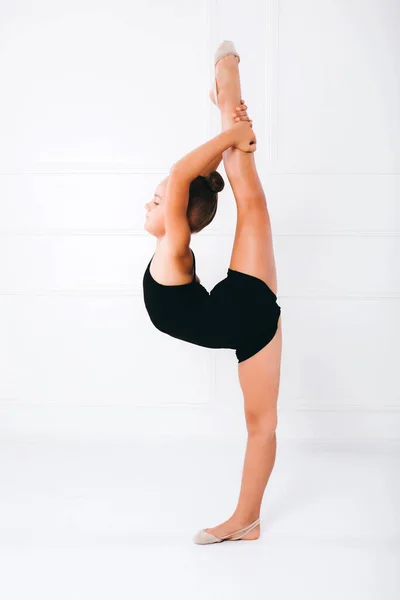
x=252 y=253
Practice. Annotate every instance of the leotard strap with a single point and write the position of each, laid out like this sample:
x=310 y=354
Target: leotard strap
x=194 y=265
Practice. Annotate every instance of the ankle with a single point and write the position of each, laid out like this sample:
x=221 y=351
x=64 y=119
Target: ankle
x=245 y=517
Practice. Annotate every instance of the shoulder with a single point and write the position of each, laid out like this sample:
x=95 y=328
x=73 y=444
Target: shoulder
x=168 y=251
x=170 y=268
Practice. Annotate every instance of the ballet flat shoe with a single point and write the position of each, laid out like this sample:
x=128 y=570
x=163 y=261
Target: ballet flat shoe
x=224 y=49
x=204 y=537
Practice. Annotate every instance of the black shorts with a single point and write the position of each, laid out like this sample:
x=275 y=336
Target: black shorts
x=246 y=313
x=240 y=312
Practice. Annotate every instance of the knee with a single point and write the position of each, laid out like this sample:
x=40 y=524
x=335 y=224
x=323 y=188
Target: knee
x=262 y=425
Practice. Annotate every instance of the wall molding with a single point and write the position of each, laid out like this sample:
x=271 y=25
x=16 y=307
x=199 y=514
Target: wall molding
x=385 y=408
x=272 y=51
x=136 y=231
x=100 y=293
x=271 y=84
x=85 y=167
x=120 y=168
x=289 y=408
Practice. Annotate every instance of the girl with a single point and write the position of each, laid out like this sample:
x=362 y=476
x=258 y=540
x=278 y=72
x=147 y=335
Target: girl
x=241 y=312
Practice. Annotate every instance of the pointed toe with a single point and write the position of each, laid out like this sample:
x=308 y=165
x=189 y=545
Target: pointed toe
x=203 y=537
x=226 y=48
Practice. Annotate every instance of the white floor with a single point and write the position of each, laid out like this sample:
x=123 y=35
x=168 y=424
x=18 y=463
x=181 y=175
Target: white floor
x=106 y=521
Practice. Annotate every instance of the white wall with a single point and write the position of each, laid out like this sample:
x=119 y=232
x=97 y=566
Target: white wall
x=98 y=100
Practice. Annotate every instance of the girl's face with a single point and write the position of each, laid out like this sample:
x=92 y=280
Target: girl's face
x=154 y=222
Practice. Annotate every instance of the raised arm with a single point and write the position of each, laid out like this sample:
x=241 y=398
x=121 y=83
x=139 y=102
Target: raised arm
x=212 y=166
x=240 y=135
x=182 y=173
x=195 y=162
x=240 y=114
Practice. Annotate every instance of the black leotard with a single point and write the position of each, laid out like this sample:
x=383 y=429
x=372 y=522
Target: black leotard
x=240 y=312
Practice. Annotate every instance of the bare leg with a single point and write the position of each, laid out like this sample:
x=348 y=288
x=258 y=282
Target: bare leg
x=252 y=253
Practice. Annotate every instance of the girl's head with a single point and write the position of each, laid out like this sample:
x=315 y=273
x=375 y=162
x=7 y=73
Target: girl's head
x=202 y=205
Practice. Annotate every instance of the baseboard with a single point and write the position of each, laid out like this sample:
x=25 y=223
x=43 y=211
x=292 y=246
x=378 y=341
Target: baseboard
x=206 y=421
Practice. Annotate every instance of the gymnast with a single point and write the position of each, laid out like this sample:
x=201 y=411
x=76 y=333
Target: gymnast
x=241 y=311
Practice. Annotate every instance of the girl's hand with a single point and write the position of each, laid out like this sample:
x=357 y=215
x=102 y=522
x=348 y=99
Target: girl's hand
x=240 y=113
x=244 y=136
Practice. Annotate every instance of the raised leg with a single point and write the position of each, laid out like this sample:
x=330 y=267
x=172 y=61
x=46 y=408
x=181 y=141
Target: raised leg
x=259 y=375
x=252 y=250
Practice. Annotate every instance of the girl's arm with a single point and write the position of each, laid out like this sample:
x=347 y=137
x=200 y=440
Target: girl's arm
x=182 y=173
x=195 y=162
x=240 y=114
x=212 y=166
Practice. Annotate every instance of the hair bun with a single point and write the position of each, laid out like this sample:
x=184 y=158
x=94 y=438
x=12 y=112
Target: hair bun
x=215 y=182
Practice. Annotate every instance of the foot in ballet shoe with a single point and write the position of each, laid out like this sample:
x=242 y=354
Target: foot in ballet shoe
x=226 y=48
x=249 y=532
